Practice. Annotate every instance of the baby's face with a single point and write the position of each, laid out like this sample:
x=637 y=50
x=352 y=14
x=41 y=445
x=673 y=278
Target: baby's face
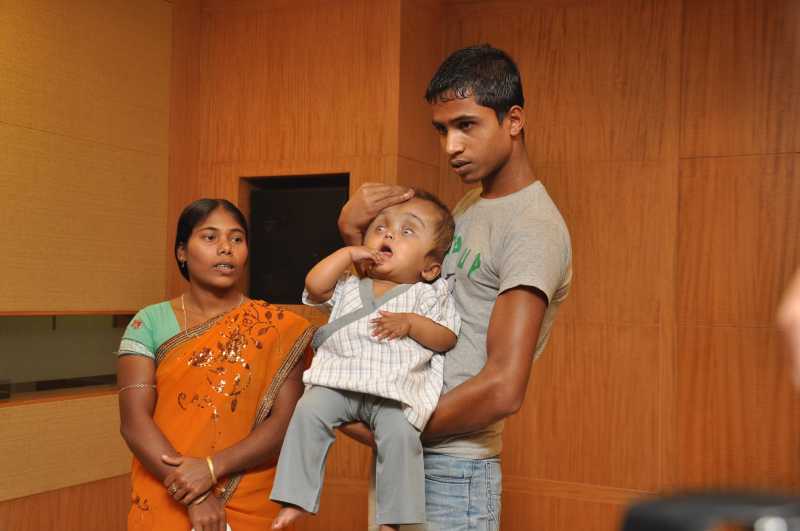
x=404 y=234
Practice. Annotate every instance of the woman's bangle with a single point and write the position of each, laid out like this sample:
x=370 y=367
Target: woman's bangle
x=137 y=386
x=202 y=498
x=210 y=464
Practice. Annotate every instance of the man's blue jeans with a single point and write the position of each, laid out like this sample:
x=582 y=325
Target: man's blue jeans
x=462 y=494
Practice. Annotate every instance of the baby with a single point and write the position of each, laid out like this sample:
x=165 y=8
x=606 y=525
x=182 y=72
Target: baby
x=376 y=360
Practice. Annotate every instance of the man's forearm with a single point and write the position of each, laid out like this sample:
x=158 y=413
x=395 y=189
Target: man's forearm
x=471 y=406
x=351 y=235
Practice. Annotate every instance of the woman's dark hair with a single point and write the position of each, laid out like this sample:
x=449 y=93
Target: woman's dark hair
x=486 y=73
x=194 y=214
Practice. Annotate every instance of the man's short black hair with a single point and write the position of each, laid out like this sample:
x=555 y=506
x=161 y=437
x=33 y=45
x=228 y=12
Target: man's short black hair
x=486 y=73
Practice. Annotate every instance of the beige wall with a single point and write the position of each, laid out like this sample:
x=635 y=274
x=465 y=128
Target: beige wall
x=84 y=106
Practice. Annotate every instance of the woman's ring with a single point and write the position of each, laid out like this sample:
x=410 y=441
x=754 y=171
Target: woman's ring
x=173 y=489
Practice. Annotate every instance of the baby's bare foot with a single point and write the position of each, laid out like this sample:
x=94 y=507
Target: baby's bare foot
x=287 y=516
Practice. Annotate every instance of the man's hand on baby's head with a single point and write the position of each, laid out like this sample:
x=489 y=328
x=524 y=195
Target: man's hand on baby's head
x=365 y=204
x=391 y=325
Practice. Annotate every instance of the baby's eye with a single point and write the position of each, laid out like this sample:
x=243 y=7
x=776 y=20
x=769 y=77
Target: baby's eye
x=408 y=231
x=380 y=228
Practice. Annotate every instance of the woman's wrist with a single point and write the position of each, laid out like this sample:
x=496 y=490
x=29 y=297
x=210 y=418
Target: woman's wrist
x=211 y=470
x=219 y=466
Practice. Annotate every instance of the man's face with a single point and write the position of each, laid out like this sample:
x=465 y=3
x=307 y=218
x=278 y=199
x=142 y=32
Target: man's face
x=477 y=145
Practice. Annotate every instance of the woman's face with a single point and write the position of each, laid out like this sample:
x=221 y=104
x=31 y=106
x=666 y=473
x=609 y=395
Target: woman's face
x=216 y=251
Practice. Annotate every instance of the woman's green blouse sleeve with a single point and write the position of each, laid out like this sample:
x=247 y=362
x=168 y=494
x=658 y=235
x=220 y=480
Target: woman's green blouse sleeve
x=138 y=339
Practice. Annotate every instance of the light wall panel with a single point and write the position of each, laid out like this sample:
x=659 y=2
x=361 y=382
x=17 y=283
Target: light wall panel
x=84 y=107
x=49 y=444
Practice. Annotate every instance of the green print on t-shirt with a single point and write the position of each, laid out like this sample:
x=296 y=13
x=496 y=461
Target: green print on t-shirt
x=476 y=262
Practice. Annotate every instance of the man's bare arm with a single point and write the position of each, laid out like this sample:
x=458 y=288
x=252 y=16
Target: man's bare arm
x=498 y=390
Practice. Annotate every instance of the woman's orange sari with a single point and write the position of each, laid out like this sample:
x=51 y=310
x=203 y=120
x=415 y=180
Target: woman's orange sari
x=215 y=383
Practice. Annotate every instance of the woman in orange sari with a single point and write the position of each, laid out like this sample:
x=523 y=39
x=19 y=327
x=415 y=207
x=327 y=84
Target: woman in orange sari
x=208 y=382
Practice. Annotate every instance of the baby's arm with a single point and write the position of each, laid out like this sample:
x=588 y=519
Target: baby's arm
x=421 y=329
x=321 y=280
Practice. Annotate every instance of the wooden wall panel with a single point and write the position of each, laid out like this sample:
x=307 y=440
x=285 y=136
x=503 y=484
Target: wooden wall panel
x=97 y=506
x=524 y=511
x=591 y=415
x=739 y=238
x=741 y=84
x=598 y=76
x=50 y=444
x=290 y=102
x=420 y=55
x=738 y=419
x=622 y=226
x=83 y=121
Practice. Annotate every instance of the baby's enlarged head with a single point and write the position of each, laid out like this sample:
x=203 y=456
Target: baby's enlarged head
x=413 y=238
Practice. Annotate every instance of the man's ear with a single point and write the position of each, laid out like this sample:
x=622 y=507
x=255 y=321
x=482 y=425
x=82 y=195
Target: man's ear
x=516 y=120
x=431 y=271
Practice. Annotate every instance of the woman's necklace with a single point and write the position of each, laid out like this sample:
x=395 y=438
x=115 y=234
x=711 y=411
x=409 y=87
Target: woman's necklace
x=186 y=320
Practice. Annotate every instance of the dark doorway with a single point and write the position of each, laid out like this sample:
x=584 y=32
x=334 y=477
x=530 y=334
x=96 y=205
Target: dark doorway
x=293 y=226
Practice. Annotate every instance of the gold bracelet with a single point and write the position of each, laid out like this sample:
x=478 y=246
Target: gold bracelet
x=137 y=386
x=210 y=464
x=202 y=498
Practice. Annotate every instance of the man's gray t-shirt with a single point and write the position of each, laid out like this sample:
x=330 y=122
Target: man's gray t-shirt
x=502 y=243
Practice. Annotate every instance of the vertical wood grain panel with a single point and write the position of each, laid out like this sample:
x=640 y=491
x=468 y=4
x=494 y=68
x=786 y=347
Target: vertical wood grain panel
x=738 y=419
x=526 y=512
x=591 y=413
x=618 y=215
x=741 y=84
x=597 y=76
x=100 y=505
x=420 y=55
x=739 y=238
